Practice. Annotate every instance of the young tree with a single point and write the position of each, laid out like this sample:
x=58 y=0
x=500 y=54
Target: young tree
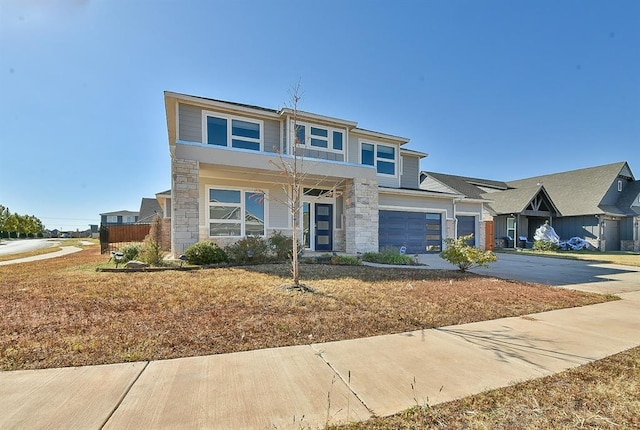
x=465 y=256
x=11 y=224
x=292 y=169
x=4 y=216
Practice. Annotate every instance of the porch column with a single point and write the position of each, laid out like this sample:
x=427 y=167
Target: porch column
x=361 y=215
x=184 y=204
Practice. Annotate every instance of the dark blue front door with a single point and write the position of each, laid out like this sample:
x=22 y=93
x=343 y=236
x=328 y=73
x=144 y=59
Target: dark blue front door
x=324 y=227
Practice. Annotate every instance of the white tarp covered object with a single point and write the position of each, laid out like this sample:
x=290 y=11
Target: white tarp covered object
x=576 y=244
x=547 y=233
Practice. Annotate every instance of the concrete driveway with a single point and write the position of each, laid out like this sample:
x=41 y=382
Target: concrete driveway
x=550 y=271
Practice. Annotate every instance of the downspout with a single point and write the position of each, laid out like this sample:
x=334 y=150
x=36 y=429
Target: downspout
x=516 y=233
x=600 y=232
x=455 y=218
x=636 y=234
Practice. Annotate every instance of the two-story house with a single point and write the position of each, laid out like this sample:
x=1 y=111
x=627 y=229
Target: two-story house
x=361 y=187
x=119 y=217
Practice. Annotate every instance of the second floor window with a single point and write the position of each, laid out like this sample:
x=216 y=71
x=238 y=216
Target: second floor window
x=383 y=157
x=316 y=137
x=238 y=133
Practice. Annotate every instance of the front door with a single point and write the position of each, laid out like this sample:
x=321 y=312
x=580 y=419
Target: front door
x=324 y=227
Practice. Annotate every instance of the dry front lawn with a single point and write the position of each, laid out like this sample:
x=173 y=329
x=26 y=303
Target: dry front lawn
x=604 y=394
x=61 y=312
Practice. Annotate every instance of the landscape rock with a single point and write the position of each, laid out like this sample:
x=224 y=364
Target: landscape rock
x=135 y=264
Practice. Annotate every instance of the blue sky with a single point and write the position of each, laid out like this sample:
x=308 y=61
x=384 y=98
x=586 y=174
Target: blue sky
x=496 y=89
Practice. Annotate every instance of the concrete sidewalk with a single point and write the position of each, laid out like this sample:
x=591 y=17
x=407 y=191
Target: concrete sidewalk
x=308 y=386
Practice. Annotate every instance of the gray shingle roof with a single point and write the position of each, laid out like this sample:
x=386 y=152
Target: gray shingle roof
x=466 y=185
x=514 y=200
x=149 y=208
x=120 y=213
x=628 y=197
x=577 y=192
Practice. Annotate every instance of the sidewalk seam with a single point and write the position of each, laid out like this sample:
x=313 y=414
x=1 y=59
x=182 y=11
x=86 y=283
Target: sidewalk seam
x=346 y=383
x=124 y=395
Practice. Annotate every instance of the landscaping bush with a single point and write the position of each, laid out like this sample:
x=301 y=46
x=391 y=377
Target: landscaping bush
x=389 y=256
x=130 y=252
x=151 y=252
x=282 y=246
x=205 y=252
x=251 y=249
x=465 y=256
x=346 y=260
x=545 y=245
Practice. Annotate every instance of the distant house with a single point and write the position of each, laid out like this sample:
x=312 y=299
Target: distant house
x=600 y=204
x=119 y=217
x=164 y=200
x=149 y=209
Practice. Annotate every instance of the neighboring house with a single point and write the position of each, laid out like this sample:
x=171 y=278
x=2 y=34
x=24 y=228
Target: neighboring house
x=470 y=189
x=600 y=204
x=119 y=217
x=149 y=209
x=164 y=200
x=361 y=188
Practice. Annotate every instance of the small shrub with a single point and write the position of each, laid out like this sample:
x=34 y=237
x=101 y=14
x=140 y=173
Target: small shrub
x=251 y=249
x=205 y=252
x=317 y=259
x=282 y=246
x=389 y=256
x=151 y=252
x=465 y=256
x=346 y=260
x=130 y=252
x=545 y=245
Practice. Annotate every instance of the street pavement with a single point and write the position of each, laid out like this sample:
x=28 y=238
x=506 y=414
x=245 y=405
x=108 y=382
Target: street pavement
x=18 y=246
x=64 y=250
x=309 y=386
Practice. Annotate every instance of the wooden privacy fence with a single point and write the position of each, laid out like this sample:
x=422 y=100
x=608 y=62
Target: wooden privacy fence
x=121 y=234
x=489 y=236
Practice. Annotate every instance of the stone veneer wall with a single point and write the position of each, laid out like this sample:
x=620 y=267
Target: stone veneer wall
x=450 y=232
x=361 y=216
x=630 y=245
x=166 y=234
x=184 y=202
x=482 y=234
x=339 y=244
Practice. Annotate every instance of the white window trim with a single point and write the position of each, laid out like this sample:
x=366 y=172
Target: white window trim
x=515 y=228
x=307 y=136
x=242 y=203
x=230 y=118
x=375 y=157
x=619 y=185
x=114 y=219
